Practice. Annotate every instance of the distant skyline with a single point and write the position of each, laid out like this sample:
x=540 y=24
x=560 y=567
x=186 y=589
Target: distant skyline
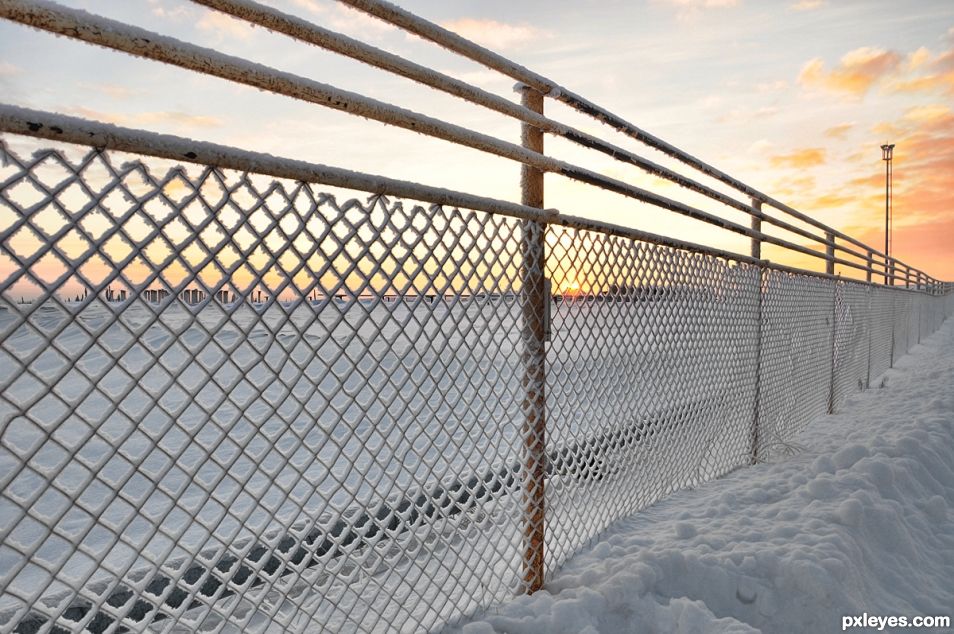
x=792 y=96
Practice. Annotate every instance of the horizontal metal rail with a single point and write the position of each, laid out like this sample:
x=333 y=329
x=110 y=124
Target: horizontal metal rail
x=308 y=32
x=58 y=127
x=76 y=130
x=139 y=42
x=447 y=39
x=336 y=455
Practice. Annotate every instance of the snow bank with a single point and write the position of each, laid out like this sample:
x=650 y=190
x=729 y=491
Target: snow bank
x=861 y=520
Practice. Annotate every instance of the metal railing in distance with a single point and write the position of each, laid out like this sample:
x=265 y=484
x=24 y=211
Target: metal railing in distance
x=230 y=401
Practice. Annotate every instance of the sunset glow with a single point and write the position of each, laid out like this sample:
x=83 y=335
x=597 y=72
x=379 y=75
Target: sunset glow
x=793 y=97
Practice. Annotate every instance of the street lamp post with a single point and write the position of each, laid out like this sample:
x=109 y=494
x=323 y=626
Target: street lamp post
x=887 y=152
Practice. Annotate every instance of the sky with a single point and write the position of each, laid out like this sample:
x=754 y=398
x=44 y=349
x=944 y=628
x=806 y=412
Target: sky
x=794 y=97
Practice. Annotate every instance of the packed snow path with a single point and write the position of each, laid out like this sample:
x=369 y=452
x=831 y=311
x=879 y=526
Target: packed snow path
x=859 y=520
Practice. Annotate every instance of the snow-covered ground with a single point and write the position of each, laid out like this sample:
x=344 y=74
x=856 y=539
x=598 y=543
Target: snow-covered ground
x=859 y=520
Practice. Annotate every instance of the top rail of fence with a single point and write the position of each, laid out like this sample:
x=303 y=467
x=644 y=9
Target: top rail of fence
x=824 y=242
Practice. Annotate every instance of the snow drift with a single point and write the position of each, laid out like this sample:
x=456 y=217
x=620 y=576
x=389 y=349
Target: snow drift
x=859 y=520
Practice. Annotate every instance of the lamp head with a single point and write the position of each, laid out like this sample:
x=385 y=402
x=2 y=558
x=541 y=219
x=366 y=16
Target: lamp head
x=887 y=151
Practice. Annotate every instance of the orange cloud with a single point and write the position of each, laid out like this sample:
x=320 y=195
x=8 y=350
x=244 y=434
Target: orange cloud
x=923 y=233
x=927 y=73
x=493 y=34
x=808 y=5
x=838 y=131
x=826 y=201
x=799 y=159
x=855 y=74
x=930 y=115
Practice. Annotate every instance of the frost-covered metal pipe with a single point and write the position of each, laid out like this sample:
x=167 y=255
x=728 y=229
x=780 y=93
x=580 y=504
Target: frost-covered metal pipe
x=534 y=309
x=305 y=31
x=308 y=32
x=57 y=127
x=70 y=129
x=830 y=253
x=95 y=29
x=448 y=39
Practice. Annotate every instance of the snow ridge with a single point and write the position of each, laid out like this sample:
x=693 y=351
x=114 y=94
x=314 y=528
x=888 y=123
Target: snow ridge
x=861 y=521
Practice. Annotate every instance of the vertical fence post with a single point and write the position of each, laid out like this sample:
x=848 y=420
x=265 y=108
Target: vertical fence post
x=534 y=355
x=829 y=253
x=870 y=292
x=920 y=301
x=830 y=270
x=869 y=264
x=894 y=318
x=834 y=334
x=756 y=252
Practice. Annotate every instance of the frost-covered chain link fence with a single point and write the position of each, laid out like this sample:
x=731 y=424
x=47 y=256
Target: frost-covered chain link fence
x=229 y=403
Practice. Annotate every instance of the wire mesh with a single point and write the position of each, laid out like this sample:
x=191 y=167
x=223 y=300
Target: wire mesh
x=233 y=404
x=882 y=333
x=797 y=351
x=852 y=338
x=650 y=377
x=230 y=403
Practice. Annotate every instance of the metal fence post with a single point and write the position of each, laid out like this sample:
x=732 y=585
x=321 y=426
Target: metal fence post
x=756 y=252
x=834 y=334
x=830 y=253
x=920 y=301
x=869 y=311
x=869 y=264
x=534 y=355
x=894 y=318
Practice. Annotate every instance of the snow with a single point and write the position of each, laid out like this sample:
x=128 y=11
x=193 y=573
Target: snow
x=859 y=521
x=383 y=332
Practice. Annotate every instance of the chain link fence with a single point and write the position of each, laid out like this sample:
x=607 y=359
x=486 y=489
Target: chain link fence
x=230 y=404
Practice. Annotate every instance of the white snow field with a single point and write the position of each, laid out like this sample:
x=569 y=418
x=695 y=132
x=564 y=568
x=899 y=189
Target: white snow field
x=860 y=519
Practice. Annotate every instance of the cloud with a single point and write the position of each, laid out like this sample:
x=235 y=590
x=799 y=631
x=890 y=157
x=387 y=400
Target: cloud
x=760 y=147
x=691 y=9
x=799 y=159
x=855 y=74
x=222 y=24
x=343 y=18
x=159 y=9
x=838 y=131
x=737 y=115
x=927 y=73
x=8 y=70
x=493 y=34
x=702 y=4
x=114 y=91
x=829 y=200
x=144 y=118
x=862 y=69
x=931 y=115
x=918 y=58
x=771 y=86
x=923 y=192
x=808 y=5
